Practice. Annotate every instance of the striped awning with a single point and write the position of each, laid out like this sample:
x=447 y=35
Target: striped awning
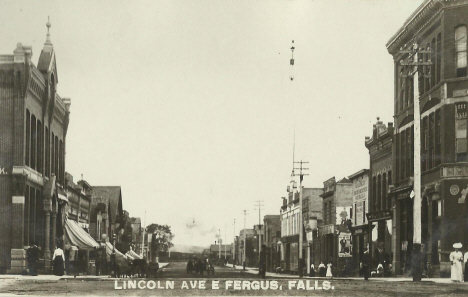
x=78 y=237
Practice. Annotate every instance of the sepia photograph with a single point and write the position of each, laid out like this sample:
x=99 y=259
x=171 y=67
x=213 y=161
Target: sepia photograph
x=233 y=148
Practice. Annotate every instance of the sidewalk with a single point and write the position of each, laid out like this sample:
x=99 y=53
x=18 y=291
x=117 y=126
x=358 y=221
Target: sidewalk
x=50 y=277
x=254 y=270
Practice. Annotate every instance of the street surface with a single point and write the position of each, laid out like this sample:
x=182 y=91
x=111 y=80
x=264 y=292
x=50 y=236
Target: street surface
x=176 y=282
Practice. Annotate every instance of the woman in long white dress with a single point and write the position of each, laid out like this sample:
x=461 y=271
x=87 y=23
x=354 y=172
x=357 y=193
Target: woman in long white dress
x=329 y=272
x=456 y=258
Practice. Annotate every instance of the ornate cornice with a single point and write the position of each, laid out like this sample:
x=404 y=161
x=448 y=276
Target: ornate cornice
x=423 y=16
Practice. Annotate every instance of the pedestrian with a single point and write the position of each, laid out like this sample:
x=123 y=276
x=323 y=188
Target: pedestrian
x=33 y=257
x=456 y=258
x=262 y=262
x=57 y=259
x=365 y=264
x=312 y=270
x=322 y=269
x=465 y=258
x=97 y=260
x=329 y=271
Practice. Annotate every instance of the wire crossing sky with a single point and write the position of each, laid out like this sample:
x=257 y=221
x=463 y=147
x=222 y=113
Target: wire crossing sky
x=188 y=105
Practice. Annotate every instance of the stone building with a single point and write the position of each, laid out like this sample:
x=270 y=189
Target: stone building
x=441 y=28
x=33 y=128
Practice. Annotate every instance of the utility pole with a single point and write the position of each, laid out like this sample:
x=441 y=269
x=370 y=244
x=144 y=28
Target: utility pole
x=143 y=238
x=219 y=242
x=259 y=205
x=301 y=223
x=225 y=242
x=245 y=241
x=234 y=254
x=413 y=63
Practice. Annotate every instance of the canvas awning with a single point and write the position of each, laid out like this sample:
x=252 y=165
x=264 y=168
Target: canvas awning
x=134 y=255
x=78 y=237
x=119 y=257
x=62 y=197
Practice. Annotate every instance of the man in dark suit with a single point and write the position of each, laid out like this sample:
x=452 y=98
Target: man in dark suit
x=365 y=264
x=33 y=257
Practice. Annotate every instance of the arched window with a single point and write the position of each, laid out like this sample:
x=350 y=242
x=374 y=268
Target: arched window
x=40 y=151
x=460 y=50
x=28 y=137
x=33 y=143
x=438 y=57
x=433 y=60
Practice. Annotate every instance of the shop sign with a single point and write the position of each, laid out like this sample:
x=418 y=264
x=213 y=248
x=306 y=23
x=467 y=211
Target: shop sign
x=328 y=229
x=5 y=171
x=344 y=245
x=378 y=215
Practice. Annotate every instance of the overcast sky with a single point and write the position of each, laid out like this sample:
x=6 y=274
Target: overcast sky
x=188 y=104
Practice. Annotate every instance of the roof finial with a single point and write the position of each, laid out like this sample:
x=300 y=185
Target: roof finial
x=48 y=27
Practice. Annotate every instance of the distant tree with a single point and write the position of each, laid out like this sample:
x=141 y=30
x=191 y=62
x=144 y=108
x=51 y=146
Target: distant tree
x=161 y=238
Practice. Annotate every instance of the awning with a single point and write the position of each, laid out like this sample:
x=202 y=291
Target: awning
x=62 y=197
x=133 y=254
x=78 y=237
x=119 y=257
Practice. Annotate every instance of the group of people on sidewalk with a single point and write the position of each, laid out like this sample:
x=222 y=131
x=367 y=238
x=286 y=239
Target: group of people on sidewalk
x=458 y=260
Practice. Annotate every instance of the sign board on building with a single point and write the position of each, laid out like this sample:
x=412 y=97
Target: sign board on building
x=5 y=170
x=328 y=229
x=360 y=198
x=344 y=245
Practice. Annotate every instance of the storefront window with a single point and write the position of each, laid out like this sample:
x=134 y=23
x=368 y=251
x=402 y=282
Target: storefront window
x=382 y=246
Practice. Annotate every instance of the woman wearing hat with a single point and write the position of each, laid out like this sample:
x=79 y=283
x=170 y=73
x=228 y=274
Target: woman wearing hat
x=456 y=258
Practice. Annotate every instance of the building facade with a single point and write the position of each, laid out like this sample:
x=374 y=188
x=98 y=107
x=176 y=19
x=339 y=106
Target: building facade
x=312 y=219
x=359 y=229
x=337 y=213
x=272 y=235
x=380 y=214
x=33 y=127
x=79 y=201
x=106 y=212
x=289 y=245
x=440 y=27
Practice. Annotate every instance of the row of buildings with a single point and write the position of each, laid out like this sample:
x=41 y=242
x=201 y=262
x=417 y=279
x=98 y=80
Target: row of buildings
x=39 y=201
x=373 y=208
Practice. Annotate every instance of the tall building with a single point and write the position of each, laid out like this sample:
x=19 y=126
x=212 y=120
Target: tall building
x=33 y=128
x=441 y=28
x=380 y=216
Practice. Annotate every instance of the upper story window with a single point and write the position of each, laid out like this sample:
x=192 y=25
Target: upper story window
x=460 y=132
x=460 y=50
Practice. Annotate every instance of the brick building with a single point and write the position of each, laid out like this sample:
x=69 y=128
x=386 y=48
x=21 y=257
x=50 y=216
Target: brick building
x=382 y=226
x=79 y=201
x=441 y=27
x=337 y=213
x=33 y=127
